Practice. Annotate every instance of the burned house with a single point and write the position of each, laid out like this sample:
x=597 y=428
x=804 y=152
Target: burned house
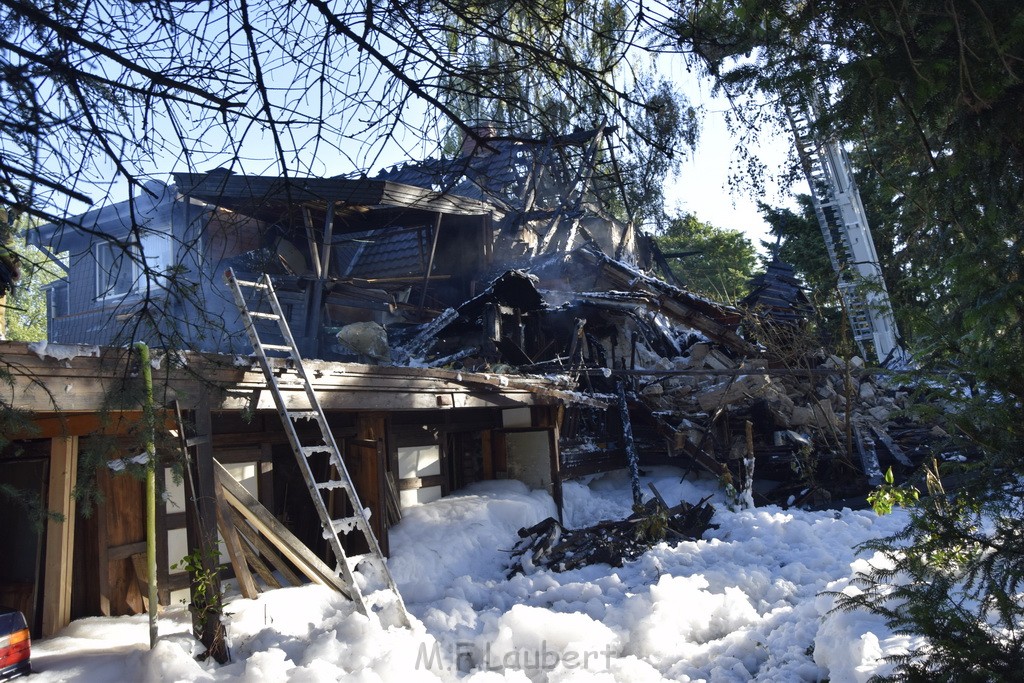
x=469 y=319
x=397 y=249
x=366 y=254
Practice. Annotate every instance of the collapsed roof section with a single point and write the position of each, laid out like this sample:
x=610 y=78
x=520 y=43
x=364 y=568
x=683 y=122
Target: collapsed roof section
x=422 y=237
x=583 y=308
x=514 y=200
x=357 y=204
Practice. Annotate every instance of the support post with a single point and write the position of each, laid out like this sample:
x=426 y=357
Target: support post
x=747 y=492
x=149 y=429
x=60 y=534
x=627 y=437
x=315 y=316
x=553 y=421
x=314 y=250
x=430 y=262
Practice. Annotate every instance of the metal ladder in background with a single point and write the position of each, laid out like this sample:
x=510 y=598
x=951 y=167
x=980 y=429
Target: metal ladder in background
x=339 y=482
x=848 y=239
x=826 y=207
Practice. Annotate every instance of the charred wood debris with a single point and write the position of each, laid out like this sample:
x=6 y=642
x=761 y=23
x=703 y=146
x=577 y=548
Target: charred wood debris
x=693 y=373
x=550 y=545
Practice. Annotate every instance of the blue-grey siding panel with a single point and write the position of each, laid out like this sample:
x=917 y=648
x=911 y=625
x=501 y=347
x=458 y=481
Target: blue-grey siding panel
x=193 y=311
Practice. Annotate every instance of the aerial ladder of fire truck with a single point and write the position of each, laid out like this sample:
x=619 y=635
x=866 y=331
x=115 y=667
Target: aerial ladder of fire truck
x=847 y=234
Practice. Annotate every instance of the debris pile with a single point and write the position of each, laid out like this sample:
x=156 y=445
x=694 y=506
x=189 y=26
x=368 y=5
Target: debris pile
x=685 y=380
x=550 y=545
x=825 y=428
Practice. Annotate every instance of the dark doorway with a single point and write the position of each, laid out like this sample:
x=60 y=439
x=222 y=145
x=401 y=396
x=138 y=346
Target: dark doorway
x=23 y=480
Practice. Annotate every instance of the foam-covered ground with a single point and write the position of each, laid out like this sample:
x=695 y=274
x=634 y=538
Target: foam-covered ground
x=744 y=603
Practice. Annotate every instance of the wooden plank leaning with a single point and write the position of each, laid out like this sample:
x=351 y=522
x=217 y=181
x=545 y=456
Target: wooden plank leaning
x=311 y=566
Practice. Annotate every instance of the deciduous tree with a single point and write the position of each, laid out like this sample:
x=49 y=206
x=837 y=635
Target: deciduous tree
x=712 y=261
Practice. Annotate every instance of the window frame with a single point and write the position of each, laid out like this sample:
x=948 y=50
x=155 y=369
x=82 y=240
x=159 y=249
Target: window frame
x=157 y=247
x=107 y=283
x=58 y=298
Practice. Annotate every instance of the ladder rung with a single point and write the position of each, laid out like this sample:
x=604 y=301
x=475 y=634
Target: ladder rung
x=332 y=485
x=343 y=525
x=264 y=316
x=250 y=283
x=276 y=347
x=354 y=560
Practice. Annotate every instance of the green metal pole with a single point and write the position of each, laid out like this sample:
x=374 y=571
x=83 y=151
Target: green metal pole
x=149 y=428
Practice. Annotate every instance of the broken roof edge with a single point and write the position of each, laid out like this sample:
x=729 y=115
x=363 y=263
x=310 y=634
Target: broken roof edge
x=73 y=378
x=225 y=188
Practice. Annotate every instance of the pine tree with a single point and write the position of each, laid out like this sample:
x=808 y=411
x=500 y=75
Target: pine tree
x=929 y=96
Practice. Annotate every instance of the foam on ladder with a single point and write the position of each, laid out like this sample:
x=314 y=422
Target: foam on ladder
x=367 y=576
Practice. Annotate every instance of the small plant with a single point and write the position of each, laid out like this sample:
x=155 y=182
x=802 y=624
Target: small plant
x=654 y=526
x=206 y=597
x=732 y=494
x=888 y=495
x=207 y=602
x=805 y=465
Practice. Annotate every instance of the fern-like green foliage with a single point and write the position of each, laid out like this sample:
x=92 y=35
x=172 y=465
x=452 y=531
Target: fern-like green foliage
x=887 y=496
x=12 y=419
x=207 y=600
x=653 y=527
x=15 y=421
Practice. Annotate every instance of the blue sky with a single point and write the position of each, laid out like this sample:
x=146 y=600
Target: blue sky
x=702 y=184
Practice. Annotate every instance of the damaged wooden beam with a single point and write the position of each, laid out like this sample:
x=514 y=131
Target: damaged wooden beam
x=265 y=549
x=246 y=584
x=46 y=384
x=308 y=564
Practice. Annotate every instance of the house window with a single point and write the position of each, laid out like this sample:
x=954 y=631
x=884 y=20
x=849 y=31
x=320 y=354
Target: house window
x=158 y=250
x=115 y=272
x=60 y=303
x=120 y=271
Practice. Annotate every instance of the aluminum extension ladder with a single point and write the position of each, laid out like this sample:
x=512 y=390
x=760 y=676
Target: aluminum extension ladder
x=848 y=240
x=379 y=595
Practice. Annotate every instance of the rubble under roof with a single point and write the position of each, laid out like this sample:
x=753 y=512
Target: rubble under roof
x=823 y=430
